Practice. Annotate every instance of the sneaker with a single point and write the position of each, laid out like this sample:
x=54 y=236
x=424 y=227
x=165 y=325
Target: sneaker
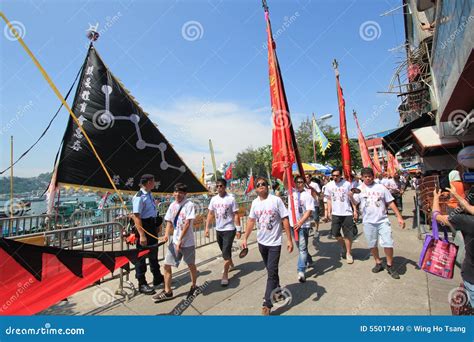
x=145 y=289
x=301 y=277
x=378 y=268
x=393 y=272
x=191 y=292
x=224 y=282
x=266 y=311
x=349 y=259
x=162 y=296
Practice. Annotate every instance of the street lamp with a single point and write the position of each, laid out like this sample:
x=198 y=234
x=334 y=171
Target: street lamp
x=324 y=117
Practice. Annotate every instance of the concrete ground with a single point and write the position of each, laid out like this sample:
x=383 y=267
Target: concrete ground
x=333 y=287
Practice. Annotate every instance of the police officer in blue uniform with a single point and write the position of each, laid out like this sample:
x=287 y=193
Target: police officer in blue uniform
x=144 y=217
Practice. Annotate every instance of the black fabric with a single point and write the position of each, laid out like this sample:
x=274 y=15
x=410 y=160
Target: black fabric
x=225 y=240
x=465 y=223
x=347 y=224
x=402 y=137
x=124 y=137
x=30 y=257
x=140 y=265
x=271 y=259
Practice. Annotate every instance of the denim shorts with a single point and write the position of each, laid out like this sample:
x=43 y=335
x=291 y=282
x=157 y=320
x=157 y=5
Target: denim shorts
x=381 y=232
x=316 y=214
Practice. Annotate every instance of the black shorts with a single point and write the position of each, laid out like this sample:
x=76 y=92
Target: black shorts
x=224 y=240
x=346 y=223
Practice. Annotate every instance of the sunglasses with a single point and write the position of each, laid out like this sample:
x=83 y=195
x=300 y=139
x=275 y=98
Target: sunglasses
x=261 y=184
x=299 y=182
x=338 y=175
x=220 y=186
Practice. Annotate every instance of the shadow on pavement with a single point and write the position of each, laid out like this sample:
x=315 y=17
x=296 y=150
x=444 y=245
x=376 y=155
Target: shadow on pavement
x=299 y=293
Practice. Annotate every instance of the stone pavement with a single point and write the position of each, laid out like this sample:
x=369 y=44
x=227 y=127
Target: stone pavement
x=333 y=287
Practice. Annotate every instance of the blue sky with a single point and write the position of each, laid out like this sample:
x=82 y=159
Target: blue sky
x=210 y=81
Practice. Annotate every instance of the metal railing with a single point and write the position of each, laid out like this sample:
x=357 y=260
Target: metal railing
x=109 y=236
x=22 y=225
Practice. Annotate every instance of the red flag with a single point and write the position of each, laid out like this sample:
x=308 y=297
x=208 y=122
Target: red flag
x=364 y=151
x=376 y=160
x=284 y=147
x=392 y=164
x=345 y=148
x=250 y=185
x=228 y=172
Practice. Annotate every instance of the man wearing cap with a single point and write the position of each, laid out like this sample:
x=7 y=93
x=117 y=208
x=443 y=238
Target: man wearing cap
x=144 y=217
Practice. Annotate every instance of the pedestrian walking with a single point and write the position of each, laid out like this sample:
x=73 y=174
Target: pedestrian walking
x=270 y=215
x=179 y=223
x=373 y=200
x=223 y=208
x=342 y=213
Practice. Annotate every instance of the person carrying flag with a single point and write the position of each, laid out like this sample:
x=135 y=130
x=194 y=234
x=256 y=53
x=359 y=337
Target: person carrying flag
x=270 y=215
x=304 y=206
x=224 y=209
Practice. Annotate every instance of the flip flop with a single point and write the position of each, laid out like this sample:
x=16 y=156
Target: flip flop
x=356 y=190
x=243 y=253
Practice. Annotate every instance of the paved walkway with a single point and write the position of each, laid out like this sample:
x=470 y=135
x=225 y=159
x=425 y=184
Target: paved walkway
x=332 y=288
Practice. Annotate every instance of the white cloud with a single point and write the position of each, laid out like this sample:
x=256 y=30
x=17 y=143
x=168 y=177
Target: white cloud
x=189 y=125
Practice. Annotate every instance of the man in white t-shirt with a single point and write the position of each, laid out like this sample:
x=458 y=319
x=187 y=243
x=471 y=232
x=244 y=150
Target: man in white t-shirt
x=304 y=206
x=342 y=211
x=179 y=222
x=374 y=200
x=224 y=209
x=270 y=214
x=315 y=191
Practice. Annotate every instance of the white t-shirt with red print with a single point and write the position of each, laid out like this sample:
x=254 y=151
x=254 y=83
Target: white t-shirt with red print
x=373 y=201
x=186 y=213
x=339 y=195
x=303 y=202
x=224 y=209
x=268 y=214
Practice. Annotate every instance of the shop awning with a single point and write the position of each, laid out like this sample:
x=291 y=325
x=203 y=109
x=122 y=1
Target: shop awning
x=427 y=140
x=402 y=137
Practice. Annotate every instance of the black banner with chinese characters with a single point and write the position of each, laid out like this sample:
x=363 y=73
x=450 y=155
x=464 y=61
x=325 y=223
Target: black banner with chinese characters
x=126 y=140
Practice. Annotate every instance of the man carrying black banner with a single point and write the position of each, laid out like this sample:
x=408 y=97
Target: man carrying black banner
x=144 y=217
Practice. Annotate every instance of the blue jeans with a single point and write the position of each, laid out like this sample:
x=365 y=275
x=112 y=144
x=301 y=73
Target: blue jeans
x=470 y=291
x=303 y=257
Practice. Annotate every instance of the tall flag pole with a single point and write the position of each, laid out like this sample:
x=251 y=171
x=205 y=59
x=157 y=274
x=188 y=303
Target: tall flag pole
x=377 y=160
x=313 y=130
x=345 y=147
x=203 y=173
x=364 y=150
x=213 y=159
x=284 y=146
x=320 y=138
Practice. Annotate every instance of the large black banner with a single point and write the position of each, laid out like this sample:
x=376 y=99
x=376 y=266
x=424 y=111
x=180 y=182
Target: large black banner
x=128 y=143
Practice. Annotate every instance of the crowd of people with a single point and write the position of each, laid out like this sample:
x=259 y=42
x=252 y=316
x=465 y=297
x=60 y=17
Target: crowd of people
x=365 y=199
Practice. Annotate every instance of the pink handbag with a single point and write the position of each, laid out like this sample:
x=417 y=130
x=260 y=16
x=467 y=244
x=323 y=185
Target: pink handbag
x=438 y=256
